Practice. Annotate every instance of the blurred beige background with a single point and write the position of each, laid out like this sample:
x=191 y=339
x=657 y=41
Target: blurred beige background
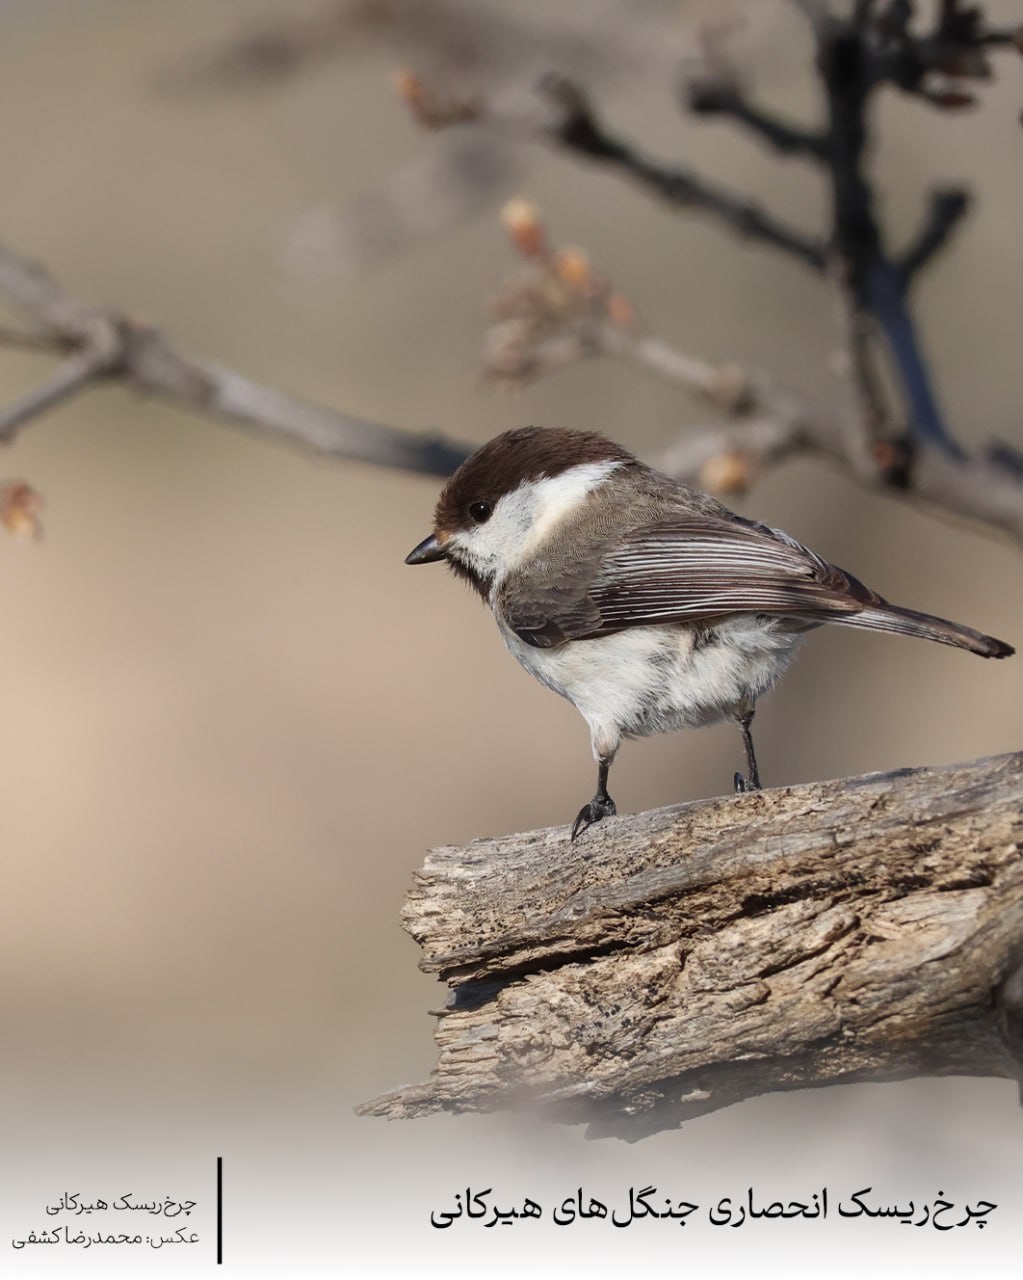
x=233 y=721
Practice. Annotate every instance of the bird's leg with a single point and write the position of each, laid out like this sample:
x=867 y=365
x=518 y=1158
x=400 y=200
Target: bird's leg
x=751 y=782
x=601 y=806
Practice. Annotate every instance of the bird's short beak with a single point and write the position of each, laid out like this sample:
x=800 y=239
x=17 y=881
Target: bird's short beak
x=427 y=551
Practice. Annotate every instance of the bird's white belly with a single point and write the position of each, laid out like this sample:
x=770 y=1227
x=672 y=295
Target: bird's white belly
x=659 y=679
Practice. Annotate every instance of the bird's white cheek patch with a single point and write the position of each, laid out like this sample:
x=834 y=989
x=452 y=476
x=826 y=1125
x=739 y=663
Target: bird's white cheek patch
x=525 y=518
x=553 y=500
x=493 y=547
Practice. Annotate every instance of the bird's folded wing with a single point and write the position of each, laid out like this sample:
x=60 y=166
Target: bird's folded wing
x=687 y=569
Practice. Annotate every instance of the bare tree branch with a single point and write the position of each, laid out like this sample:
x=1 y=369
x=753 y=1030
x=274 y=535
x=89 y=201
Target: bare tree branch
x=783 y=422
x=945 y=211
x=70 y=376
x=26 y=341
x=572 y=124
x=459 y=45
x=854 y=52
x=871 y=285
x=679 y=961
x=557 y=310
x=935 y=64
x=105 y=343
x=706 y=96
x=580 y=131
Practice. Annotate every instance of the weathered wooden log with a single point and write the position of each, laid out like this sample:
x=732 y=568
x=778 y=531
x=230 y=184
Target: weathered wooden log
x=675 y=962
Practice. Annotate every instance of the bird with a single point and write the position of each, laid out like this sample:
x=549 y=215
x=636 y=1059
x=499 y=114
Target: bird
x=645 y=602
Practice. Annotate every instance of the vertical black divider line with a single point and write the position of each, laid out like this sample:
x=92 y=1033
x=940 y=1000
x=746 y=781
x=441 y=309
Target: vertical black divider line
x=220 y=1210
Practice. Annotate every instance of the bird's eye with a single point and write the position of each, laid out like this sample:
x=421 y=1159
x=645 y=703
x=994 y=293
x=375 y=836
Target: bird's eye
x=480 y=512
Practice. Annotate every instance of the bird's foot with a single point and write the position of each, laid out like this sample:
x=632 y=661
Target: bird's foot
x=742 y=785
x=598 y=808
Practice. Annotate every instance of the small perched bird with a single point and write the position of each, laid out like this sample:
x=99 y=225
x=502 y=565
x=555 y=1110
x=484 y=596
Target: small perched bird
x=646 y=603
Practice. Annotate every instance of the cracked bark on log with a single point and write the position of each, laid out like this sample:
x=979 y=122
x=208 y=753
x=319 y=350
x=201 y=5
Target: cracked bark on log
x=675 y=962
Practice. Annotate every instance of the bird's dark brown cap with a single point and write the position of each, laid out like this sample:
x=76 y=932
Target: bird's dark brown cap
x=514 y=458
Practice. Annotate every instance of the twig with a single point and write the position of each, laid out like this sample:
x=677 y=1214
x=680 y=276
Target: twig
x=548 y=324
x=105 y=343
x=852 y=53
x=871 y=285
x=153 y=367
x=856 y=54
x=726 y=457
x=774 y=422
x=935 y=64
x=579 y=130
x=707 y=96
x=945 y=211
x=888 y=303
x=25 y=341
x=70 y=376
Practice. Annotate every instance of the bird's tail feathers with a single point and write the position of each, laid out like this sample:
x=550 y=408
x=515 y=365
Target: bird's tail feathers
x=908 y=622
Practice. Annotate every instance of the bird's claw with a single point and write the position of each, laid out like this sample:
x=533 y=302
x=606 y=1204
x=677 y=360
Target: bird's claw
x=743 y=785
x=598 y=808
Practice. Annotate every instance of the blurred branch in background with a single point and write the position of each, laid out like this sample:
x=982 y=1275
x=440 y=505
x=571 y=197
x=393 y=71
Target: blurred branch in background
x=578 y=129
x=560 y=310
x=552 y=320
x=100 y=343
